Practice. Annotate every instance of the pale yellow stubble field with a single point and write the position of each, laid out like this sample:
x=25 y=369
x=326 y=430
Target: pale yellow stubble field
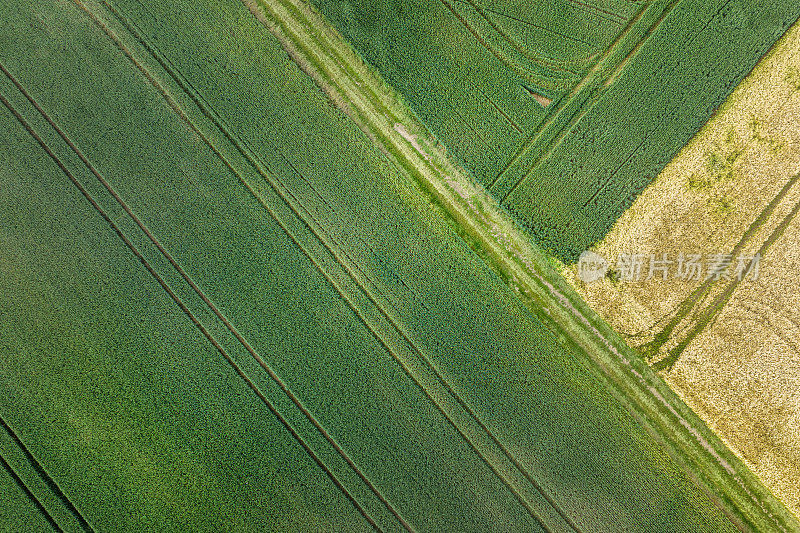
x=731 y=189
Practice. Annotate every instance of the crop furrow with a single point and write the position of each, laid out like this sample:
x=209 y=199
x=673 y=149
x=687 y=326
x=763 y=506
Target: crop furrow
x=48 y=481
x=470 y=440
x=283 y=192
x=599 y=11
x=546 y=83
x=543 y=28
x=707 y=315
x=683 y=309
x=539 y=58
x=645 y=139
x=413 y=375
x=588 y=83
x=606 y=76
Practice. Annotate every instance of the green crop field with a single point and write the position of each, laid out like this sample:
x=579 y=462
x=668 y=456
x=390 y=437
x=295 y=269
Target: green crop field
x=628 y=83
x=471 y=69
x=228 y=305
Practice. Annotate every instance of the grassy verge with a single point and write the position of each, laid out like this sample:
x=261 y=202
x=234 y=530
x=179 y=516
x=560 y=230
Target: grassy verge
x=486 y=227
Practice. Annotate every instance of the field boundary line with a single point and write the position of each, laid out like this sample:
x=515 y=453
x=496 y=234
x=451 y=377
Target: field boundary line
x=328 y=277
x=760 y=219
x=651 y=131
x=477 y=217
x=505 y=451
x=681 y=310
x=184 y=308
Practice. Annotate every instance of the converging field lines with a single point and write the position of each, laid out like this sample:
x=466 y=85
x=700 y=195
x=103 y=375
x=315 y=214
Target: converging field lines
x=559 y=65
x=430 y=364
x=542 y=141
x=543 y=28
x=550 y=83
x=697 y=447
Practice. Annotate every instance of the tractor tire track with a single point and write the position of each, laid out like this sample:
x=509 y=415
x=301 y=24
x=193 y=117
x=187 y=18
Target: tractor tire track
x=37 y=466
x=587 y=83
x=33 y=499
x=605 y=75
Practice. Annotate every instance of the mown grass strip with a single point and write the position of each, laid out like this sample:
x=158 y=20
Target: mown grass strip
x=486 y=227
x=511 y=485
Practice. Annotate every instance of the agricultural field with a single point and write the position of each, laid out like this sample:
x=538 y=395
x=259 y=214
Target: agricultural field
x=729 y=347
x=624 y=86
x=244 y=288
x=482 y=76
